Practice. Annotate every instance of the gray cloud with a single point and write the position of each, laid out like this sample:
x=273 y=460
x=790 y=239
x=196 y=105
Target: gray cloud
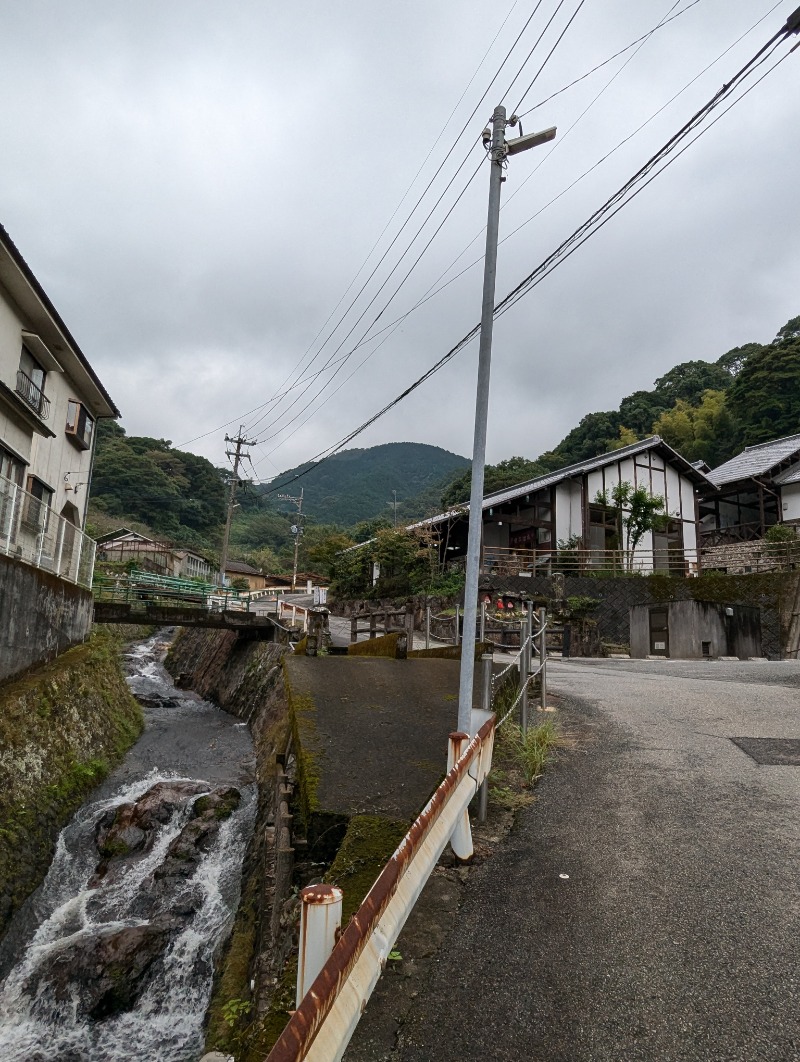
x=196 y=186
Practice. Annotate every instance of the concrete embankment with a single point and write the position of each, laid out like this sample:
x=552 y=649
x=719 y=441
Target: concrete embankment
x=63 y=726
x=244 y=677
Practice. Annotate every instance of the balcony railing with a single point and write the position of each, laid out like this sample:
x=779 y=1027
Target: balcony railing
x=759 y=556
x=504 y=561
x=32 y=395
x=31 y=532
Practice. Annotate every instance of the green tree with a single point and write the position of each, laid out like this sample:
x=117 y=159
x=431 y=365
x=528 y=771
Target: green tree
x=689 y=379
x=625 y=438
x=700 y=433
x=764 y=399
x=639 y=512
x=791 y=330
x=639 y=410
x=733 y=361
x=506 y=473
x=589 y=438
x=324 y=553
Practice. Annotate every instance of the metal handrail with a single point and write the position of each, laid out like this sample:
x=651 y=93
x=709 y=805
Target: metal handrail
x=32 y=395
x=30 y=531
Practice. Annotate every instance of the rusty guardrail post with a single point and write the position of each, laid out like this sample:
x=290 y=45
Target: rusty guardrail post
x=461 y=839
x=320 y=921
x=427 y=626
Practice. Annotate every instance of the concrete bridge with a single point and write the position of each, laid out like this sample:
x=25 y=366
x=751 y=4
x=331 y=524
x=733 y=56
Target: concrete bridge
x=161 y=615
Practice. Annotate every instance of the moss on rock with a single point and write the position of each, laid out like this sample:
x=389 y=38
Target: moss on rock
x=62 y=728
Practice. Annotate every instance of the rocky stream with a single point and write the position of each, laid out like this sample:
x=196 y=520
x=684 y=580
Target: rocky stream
x=111 y=959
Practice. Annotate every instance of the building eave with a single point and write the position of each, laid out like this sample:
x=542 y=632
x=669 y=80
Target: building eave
x=20 y=280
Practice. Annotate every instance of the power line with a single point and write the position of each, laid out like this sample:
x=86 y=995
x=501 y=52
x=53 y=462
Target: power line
x=436 y=232
x=597 y=220
x=610 y=59
x=550 y=53
x=419 y=201
x=433 y=290
x=403 y=198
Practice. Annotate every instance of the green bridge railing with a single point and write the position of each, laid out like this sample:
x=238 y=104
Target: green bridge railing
x=139 y=587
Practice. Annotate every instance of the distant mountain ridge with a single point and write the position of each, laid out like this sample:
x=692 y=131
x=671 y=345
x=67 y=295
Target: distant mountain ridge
x=356 y=485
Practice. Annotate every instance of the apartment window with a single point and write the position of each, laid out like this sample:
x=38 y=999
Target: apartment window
x=30 y=383
x=37 y=507
x=80 y=424
x=11 y=467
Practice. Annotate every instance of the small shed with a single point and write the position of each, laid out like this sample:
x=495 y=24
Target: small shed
x=695 y=630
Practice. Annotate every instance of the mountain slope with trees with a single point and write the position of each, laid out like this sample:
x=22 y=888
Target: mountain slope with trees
x=708 y=411
x=357 y=485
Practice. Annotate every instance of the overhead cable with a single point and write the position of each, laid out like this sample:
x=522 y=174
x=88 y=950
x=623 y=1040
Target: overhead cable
x=644 y=176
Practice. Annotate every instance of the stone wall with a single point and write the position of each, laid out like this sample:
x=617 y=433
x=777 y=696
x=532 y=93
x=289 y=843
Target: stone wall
x=41 y=616
x=775 y=594
x=245 y=677
x=62 y=727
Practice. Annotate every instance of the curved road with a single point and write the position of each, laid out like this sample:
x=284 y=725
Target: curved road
x=646 y=906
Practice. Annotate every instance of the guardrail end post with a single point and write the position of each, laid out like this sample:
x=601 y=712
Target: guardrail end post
x=461 y=839
x=320 y=920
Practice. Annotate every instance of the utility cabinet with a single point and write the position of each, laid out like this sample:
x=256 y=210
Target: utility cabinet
x=694 y=630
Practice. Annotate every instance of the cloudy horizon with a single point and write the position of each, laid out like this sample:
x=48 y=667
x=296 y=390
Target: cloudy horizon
x=196 y=187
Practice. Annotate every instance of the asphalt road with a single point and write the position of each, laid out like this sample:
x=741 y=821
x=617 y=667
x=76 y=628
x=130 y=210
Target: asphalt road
x=646 y=906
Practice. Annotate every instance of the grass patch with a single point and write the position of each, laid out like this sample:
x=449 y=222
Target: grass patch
x=533 y=751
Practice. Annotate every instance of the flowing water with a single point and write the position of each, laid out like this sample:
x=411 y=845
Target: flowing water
x=42 y=1015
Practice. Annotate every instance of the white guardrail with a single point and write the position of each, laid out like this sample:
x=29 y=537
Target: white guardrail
x=293 y=611
x=31 y=531
x=337 y=977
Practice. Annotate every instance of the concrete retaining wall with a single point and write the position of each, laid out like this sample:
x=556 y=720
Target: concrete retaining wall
x=40 y=616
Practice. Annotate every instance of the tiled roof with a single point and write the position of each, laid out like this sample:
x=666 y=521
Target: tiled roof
x=240 y=568
x=507 y=494
x=756 y=460
x=791 y=475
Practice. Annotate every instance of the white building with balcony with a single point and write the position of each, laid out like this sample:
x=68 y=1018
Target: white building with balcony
x=50 y=402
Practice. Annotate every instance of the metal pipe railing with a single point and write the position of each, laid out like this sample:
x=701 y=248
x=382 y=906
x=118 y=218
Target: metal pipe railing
x=32 y=532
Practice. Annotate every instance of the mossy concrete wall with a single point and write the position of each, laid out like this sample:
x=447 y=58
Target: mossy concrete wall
x=40 y=616
x=245 y=678
x=62 y=727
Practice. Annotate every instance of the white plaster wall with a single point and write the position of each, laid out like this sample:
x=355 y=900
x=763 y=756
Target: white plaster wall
x=790 y=501
x=48 y=459
x=569 y=519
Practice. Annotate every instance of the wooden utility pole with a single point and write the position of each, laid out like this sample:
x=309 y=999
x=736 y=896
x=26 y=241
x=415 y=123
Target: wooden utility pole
x=239 y=441
x=297 y=531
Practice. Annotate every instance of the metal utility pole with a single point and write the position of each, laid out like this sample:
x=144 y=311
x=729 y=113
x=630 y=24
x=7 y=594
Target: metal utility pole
x=297 y=531
x=498 y=152
x=394 y=503
x=237 y=456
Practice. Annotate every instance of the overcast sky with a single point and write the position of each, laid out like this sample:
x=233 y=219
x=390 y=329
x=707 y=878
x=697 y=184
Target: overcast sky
x=196 y=184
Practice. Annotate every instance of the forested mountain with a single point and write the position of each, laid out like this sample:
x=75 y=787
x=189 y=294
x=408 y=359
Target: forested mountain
x=176 y=495
x=707 y=411
x=147 y=485
x=357 y=485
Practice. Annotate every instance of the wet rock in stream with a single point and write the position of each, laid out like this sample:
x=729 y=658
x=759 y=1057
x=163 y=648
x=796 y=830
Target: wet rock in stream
x=107 y=972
